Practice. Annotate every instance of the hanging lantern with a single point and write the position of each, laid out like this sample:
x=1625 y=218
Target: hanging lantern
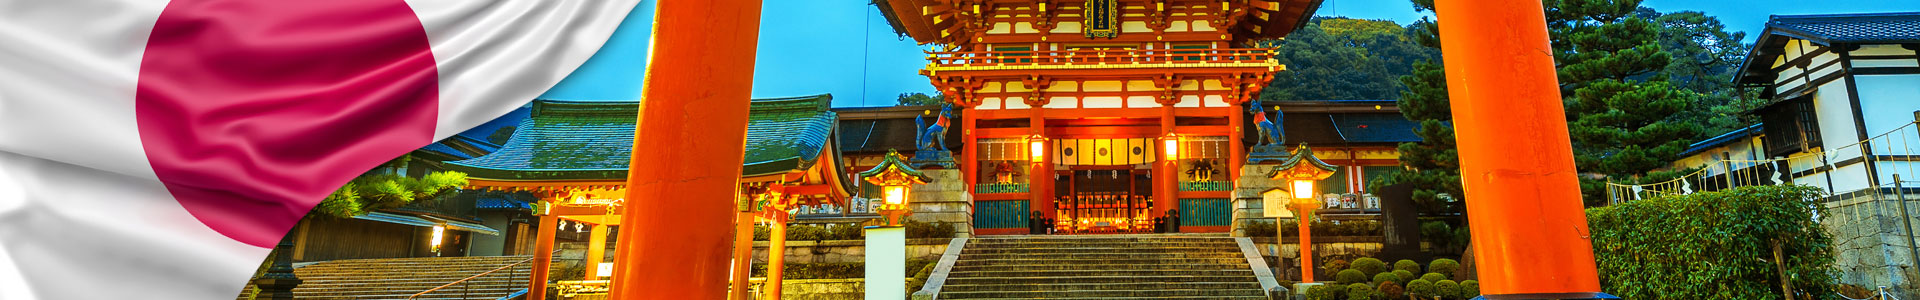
x=1037 y=148
x=1170 y=146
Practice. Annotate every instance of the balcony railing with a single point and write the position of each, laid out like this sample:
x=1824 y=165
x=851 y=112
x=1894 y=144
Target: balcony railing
x=1112 y=58
x=999 y=188
x=1205 y=186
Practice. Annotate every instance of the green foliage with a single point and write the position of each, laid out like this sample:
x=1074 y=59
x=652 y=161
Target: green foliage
x=1259 y=229
x=1469 y=289
x=1437 y=233
x=1336 y=290
x=810 y=232
x=1335 y=266
x=1392 y=290
x=919 y=99
x=1433 y=277
x=1433 y=163
x=1343 y=59
x=1350 y=276
x=1370 y=265
x=920 y=230
x=846 y=232
x=1320 y=292
x=1714 y=245
x=806 y=233
x=1446 y=289
x=1420 y=288
x=1443 y=266
x=1406 y=276
x=794 y=271
x=376 y=191
x=1406 y=265
x=921 y=269
x=1360 y=291
x=1384 y=277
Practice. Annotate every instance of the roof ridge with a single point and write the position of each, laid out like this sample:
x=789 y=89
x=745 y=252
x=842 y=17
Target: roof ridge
x=1772 y=18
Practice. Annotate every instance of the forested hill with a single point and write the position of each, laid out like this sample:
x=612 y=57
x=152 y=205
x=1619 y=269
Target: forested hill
x=1345 y=59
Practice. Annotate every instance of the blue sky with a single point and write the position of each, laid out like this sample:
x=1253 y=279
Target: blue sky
x=847 y=49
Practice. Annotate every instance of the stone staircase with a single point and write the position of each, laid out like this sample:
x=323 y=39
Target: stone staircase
x=397 y=278
x=1102 y=267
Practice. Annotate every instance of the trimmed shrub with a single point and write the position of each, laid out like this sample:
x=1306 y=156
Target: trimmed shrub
x=1336 y=290
x=1350 y=276
x=1392 y=290
x=1407 y=265
x=1384 y=278
x=1259 y=229
x=1433 y=277
x=1443 y=266
x=920 y=230
x=1360 y=291
x=1420 y=288
x=1655 y=248
x=1335 y=266
x=1370 y=265
x=1446 y=288
x=1436 y=233
x=845 y=232
x=1319 y=292
x=1405 y=276
x=805 y=233
x=1469 y=289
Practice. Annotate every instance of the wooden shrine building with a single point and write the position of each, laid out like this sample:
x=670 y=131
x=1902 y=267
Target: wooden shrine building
x=574 y=156
x=1099 y=115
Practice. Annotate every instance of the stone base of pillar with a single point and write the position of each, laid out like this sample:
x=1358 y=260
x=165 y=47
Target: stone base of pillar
x=886 y=264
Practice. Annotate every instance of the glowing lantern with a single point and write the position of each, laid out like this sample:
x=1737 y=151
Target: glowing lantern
x=1037 y=148
x=895 y=177
x=1170 y=146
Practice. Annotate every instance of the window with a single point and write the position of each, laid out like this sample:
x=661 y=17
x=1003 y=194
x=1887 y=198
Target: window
x=1790 y=126
x=1194 y=54
x=1018 y=50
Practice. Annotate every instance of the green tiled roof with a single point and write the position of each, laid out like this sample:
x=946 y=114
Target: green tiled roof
x=592 y=140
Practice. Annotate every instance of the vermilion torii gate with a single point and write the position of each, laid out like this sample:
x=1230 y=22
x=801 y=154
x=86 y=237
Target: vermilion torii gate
x=1530 y=232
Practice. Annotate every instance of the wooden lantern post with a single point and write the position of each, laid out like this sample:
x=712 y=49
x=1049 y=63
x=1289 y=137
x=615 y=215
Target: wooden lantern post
x=1300 y=172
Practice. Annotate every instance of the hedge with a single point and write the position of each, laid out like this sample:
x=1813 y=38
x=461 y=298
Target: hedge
x=1713 y=245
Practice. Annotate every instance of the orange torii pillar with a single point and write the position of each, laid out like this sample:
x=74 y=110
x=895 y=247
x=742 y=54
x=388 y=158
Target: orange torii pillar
x=1529 y=229
x=596 y=250
x=742 y=254
x=677 y=226
x=542 y=255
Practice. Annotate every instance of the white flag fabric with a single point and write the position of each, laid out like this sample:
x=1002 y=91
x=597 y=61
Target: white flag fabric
x=154 y=149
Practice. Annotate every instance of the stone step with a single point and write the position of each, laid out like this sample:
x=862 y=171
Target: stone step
x=1208 y=254
x=1242 y=264
x=1136 y=298
x=1151 y=293
x=1081 y=273
x=1033 y=261
x=1097 y=279
x=1104 y=286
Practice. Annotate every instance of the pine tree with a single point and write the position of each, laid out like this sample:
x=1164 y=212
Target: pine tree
x=1620 y=105
x=1433 y=163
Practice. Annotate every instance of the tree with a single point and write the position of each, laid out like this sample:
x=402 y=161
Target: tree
x=1619 y=99
x=1433 y=163
x=379 y=190
x=1343 y=59
x=920 y=99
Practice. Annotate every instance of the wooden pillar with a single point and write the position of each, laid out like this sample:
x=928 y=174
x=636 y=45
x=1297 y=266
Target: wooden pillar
x=742 y=255
x=1040 y=174
x=1306 y=242
x=596 y=250
x=1528 y=222
x=542 y=257
x=1236 y=153
x=676 y=228
x=969 y=159
x=1165 y=181
x=776 y=257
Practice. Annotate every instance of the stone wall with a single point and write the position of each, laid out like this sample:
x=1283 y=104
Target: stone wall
x=1246 y=195
x=944 y=200
x=1324 y=249
x=846 y=251
x=1870 y=248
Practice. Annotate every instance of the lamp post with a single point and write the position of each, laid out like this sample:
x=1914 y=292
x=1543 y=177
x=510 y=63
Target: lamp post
x=886 y=264
x=1300 y=171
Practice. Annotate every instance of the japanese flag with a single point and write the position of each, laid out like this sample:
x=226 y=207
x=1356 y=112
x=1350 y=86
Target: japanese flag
x=154 y=149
